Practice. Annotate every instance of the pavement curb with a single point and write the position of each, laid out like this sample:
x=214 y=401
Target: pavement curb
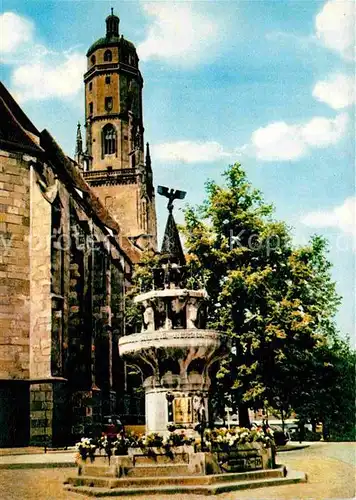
x=34 y=465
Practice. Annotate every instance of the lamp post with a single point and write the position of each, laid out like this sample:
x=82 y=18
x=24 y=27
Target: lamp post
x=45 y=408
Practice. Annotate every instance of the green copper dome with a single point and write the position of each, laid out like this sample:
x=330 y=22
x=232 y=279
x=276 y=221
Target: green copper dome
x=112 y=41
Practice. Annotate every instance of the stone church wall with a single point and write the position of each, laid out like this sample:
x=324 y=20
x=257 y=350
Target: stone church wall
x=14 y=296
x=15 y=265
x=61 y=311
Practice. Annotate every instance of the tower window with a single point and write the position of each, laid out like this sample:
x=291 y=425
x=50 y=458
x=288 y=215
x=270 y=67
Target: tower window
x=109 y=139
x=92 y=60
x=108 y=103
x=90 y=108
x=107 y=79
x=107 y=56
x=90 y=86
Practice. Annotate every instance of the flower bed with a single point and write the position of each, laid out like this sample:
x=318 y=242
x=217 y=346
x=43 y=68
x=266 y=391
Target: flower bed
x=86 y=449
x=153 y=444
x=227 y=439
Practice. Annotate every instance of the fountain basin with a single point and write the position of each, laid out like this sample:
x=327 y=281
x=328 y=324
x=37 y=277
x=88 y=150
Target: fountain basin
x=181 y=338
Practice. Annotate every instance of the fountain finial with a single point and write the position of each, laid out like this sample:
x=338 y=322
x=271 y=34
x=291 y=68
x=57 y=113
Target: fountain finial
x=171 y=194
x=171 y=250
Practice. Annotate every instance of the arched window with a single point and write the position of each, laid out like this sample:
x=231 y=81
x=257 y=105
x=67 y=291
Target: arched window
x=109 y=140
x=92 y=60
x=107 y=56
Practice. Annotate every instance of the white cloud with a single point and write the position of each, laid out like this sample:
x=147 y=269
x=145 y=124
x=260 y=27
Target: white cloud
x=40 y=80
x=338 y=91
x=342 y=217
x=38 y=73
x=178 y=34
x=281 y=142
x=16 y=31
x=190 y=152
x=278 y=141
x=320 y=132
x=335 y=27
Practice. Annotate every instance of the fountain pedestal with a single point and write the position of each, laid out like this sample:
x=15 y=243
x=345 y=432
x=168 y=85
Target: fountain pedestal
x=175 y=365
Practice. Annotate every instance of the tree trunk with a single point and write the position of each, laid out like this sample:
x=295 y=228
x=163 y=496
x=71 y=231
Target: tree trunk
x=244 y=419
x=325 y=430
x=282 y=418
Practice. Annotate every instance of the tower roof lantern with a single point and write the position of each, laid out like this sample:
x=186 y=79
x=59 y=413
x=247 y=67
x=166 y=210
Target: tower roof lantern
x=112 y=25
x=112 y=37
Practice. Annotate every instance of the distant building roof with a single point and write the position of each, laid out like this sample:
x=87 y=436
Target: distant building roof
x=17 y=132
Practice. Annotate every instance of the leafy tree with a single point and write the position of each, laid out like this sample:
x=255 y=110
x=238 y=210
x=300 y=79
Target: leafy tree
x=274 y=302
x=328 y=392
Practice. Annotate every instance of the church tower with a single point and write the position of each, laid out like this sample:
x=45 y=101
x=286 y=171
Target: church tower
x=114 y=161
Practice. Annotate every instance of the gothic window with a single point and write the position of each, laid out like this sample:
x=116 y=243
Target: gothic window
x=107 y=80
x=107 y=56
x=92 y=60
x=57 y=250
x=109 y=139
x=78 y=363
x=57 y=289
x=108 y=103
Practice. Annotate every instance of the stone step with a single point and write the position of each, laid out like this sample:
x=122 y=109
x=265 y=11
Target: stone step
x=100 y=470
x=152 y=470
x=129 y=482
x=208 y=489
x=279 y=472
x=91 y=482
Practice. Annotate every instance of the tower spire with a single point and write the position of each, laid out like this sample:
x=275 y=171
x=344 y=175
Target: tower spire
x=78 y=144
x=148 y=156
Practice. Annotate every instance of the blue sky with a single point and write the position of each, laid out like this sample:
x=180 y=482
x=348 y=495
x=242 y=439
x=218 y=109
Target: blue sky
x=267 y=83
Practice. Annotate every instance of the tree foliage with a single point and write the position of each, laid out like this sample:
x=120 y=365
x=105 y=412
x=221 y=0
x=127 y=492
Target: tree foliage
x=141 y=282
x=274 y=301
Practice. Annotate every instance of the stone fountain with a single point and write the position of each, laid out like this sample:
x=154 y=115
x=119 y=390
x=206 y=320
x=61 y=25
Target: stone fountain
x=174 y=352
x=174 y=349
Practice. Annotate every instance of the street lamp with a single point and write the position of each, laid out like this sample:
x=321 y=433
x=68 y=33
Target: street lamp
x=45 y=408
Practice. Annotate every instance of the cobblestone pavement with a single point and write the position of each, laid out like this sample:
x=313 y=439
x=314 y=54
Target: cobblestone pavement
x=330 y=467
